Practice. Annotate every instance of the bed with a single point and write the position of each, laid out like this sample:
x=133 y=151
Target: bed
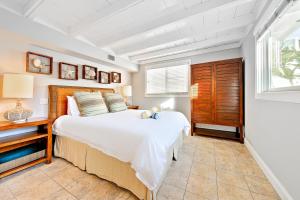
x=120 y=147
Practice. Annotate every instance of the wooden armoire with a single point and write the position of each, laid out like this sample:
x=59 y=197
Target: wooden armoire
x=218 y=97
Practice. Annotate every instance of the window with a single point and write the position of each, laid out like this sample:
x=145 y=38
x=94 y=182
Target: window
x=278 y=53
x=167 y=80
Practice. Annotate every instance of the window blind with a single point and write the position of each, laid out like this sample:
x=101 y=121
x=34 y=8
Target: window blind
x=167 y=80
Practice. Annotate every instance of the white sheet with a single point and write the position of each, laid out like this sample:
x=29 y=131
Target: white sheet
x=124 y=135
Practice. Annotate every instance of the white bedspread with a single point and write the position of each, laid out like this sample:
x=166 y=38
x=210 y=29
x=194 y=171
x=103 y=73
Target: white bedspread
x=124 y=135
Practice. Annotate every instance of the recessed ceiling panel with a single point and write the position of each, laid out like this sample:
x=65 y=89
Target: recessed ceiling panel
x=226 y=14
x=70 y=12
x=244 y=8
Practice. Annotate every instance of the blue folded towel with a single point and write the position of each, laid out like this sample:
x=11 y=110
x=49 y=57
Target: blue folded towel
x=155 y=115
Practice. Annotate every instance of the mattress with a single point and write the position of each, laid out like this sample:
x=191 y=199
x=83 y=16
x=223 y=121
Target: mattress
x=144 y=143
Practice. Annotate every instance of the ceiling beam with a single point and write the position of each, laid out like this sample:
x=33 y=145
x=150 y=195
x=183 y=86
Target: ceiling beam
x=260 y=5
x=174 y=36
x=45 y=37
x=171 y=17
x=188 y=54
x=267 y=13
x=31 y=8
x=30 y=11
x=190 y=47
x=2 y=6
x=92 y=20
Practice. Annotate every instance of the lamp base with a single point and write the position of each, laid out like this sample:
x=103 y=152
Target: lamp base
x=18 y=114
x=19 y=121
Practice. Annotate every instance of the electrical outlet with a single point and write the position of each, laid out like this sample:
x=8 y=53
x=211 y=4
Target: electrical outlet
x=43 y=101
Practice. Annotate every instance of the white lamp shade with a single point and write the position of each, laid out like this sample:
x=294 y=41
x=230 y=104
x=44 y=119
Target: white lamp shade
x=17 y=86
x=127 y=91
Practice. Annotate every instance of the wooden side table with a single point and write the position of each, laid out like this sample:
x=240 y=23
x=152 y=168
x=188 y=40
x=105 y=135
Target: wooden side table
x=44 y=132
x=133 y=107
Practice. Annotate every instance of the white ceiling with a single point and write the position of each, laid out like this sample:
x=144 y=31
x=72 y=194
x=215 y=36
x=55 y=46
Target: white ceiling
x=142 y=30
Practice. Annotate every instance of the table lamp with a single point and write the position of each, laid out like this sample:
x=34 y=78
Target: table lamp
x=127 y=92
x=17 y=86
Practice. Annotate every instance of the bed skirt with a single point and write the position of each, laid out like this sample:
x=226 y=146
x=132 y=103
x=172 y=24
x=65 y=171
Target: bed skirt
x=109 y=168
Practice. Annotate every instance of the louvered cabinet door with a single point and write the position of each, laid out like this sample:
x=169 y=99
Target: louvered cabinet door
x=228 y=93
x=202 y=93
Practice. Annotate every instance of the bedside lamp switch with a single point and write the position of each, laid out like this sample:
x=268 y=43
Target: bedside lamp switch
x=43 y=101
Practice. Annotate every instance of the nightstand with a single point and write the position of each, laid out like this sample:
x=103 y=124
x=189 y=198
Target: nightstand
x=42 y=136
x=133 y=107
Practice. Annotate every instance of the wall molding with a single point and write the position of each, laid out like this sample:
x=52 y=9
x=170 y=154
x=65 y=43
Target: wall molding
x=281 y=190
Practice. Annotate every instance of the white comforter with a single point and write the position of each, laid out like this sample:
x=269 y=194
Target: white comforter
x=124 y=135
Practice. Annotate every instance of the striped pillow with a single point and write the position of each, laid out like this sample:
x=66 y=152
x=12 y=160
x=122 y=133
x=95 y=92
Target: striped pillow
x=90 y=103
x=115 y=102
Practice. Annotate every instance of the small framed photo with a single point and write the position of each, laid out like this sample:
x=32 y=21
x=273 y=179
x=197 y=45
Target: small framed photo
x=89 y=72
x=115 y=77
x=104 y=77
x=38 y=63
x=68 y=71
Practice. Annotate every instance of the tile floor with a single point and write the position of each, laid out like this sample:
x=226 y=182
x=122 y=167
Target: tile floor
x=207 y=169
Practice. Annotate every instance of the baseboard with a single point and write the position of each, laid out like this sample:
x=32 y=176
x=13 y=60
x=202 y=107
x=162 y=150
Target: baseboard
x=283 y=193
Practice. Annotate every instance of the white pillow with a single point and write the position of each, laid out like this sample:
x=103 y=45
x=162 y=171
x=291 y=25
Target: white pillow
x=72 y=106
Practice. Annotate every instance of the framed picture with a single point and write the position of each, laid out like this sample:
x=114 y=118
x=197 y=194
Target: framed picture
x=68 y=71
x=115 y=77
x=38 y=63
x=104 y=77
x=89 y=72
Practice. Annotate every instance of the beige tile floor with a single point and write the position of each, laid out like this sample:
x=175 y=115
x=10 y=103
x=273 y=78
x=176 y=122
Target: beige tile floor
x=207 y=169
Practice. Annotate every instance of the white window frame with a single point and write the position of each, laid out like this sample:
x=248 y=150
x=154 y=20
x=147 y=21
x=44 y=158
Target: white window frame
x=262 y=82
x=169 y=64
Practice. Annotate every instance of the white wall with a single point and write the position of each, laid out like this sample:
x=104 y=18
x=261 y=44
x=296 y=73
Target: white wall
x=13 y=50
x=272 y=128
x=182 y=104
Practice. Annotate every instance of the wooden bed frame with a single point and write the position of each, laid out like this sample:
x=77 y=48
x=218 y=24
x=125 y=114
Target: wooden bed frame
x=58 y=98
x=58 y=107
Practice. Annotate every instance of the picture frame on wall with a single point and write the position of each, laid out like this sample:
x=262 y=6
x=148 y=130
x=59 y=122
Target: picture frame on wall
x=115 y=77
x=38 y=63
x=89 y=72
x=104 y=77
x=68 y=71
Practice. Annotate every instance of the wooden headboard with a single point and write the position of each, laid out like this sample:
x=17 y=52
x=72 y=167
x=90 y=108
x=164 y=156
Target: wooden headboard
x=58 y=98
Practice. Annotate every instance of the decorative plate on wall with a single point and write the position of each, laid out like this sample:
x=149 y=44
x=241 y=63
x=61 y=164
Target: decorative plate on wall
x=68 y=71
x=38 y=63
x=104 y=77
x=115 y=77
x=89 y=72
